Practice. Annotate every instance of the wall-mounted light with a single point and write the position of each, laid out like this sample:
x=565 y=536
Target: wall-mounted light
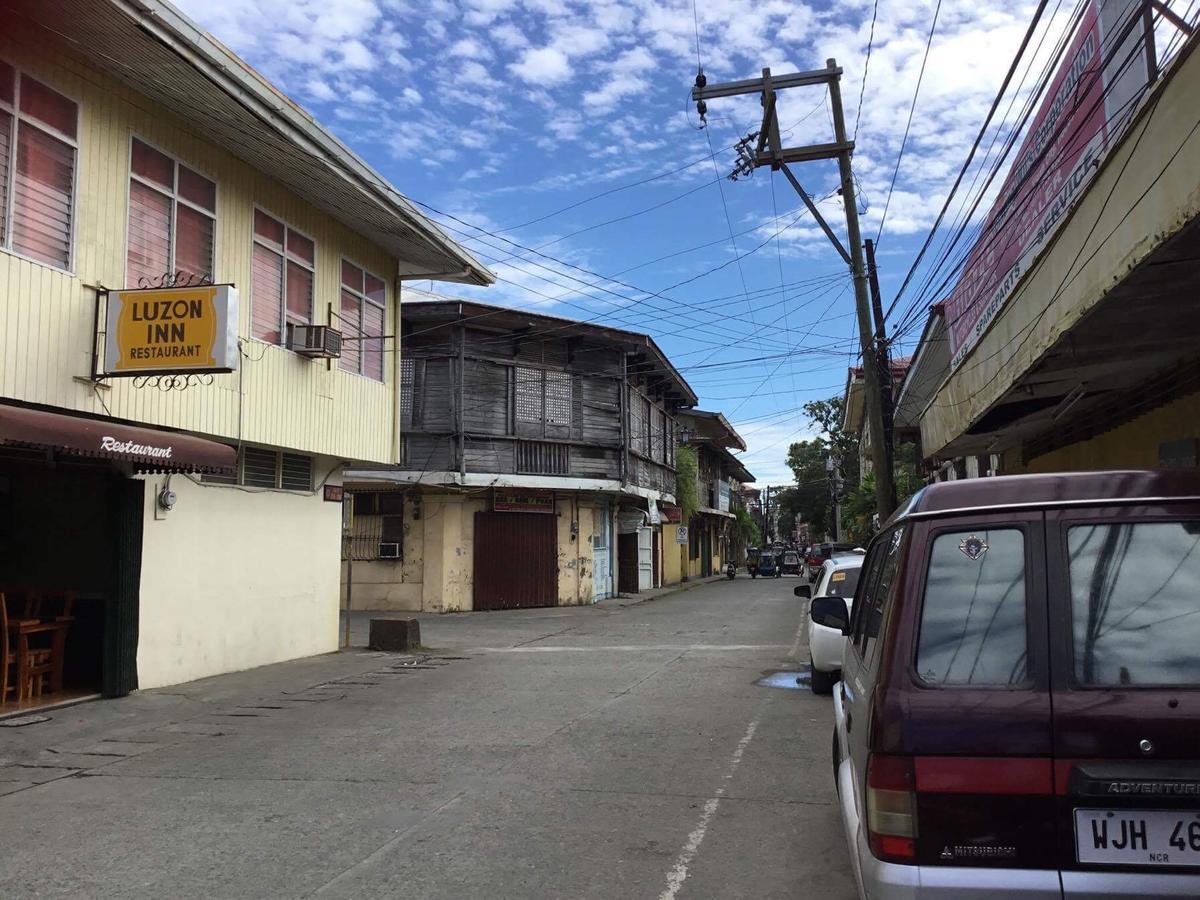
x=685 y=434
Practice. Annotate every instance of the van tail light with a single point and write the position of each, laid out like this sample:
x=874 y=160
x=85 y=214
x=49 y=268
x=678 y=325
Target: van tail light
x=892 y=808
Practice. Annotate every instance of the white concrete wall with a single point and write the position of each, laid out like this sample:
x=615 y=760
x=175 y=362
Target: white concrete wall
x=234 y=578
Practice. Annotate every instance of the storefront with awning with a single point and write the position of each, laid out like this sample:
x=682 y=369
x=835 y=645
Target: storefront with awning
x=73 y=500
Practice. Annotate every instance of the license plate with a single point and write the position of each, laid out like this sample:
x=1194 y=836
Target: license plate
x=1135 y=837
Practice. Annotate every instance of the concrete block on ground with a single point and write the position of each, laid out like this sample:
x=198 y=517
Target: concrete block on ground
x=395 y=635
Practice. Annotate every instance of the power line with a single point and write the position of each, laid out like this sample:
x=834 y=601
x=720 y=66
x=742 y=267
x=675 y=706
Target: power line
x=866 y=68
x=971 y=154
x=903 y=141
x=634 y=300
x=961 y=220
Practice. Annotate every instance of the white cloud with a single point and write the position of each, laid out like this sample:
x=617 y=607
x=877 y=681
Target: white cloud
x=545 y=65
x=469 y=48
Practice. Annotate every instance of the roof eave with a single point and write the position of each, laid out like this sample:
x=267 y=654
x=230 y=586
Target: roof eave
x=166 y=23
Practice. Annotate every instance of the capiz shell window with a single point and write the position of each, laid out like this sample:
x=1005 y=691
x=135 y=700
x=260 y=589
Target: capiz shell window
x=362 y=318
x=38 y=149
x=172 y=218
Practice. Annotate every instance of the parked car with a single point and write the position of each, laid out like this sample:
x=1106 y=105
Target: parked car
x=838 y=578
x=821 y=552
x=1020 y=692
x=791 y=564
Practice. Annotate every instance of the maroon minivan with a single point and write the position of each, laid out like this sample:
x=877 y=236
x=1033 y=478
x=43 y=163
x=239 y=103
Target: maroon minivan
x=1019 y=713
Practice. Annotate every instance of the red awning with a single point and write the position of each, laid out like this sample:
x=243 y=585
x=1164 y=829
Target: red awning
x=168 y=451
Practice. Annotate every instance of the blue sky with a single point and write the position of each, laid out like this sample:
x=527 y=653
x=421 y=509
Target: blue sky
x=502 y=112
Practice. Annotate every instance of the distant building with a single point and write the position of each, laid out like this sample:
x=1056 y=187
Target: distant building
x=854 y=417
x=712 y=532
x=537 y=464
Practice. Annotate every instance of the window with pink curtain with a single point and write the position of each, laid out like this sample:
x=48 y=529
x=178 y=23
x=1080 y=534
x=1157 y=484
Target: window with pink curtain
x=266 y=295
x=362 y=315
x=351 y=349
x=172 y=218
x=284 y=276
x=6 y=125
x=38 y=129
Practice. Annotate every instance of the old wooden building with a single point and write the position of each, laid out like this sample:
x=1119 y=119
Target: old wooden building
x=536 y=455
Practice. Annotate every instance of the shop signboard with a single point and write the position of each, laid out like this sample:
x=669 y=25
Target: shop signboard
x=1079 y=118
x=722 y=495
x=171 y=329
x=523 y=501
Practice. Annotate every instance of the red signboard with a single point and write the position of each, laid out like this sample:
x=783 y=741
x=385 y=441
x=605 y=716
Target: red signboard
x=1055 y=163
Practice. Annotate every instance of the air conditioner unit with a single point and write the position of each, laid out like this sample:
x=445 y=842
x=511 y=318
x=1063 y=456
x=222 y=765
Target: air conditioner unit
x=318 y=341
x=389 y=551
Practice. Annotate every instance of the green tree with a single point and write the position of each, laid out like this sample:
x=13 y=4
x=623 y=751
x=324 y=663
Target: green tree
x=687 y=469
x=748 y=529
x=858 y=509
x=809 y=500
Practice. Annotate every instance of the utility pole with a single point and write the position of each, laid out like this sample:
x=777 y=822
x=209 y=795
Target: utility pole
x=884 y=366
x=833 y=465
x=769 y=152
x=767 y=519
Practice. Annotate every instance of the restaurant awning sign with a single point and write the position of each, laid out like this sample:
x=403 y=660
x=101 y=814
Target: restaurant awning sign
x=173 y=329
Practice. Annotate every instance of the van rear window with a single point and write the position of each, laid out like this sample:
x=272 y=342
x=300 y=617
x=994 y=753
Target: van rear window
x=1135 y=603
x=973 y=616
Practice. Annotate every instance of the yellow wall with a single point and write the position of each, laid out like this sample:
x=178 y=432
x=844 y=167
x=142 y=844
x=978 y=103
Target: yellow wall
x=210 y=605
x=674 y=556
x=1133 y=445
x=438 y=571
x=574 y=557
x=46 y=315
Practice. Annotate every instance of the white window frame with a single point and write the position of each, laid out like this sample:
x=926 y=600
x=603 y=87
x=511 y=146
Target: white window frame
x=175 y=199
x=287 y=257
x=360 y=336
x=17 y=118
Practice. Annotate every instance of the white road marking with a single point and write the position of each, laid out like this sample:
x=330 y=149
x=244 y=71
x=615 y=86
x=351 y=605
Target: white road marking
x=794 y=653
x=679 y=872
x=628 y=648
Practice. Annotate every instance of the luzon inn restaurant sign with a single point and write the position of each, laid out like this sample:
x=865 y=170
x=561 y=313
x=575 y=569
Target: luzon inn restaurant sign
x=179 y=329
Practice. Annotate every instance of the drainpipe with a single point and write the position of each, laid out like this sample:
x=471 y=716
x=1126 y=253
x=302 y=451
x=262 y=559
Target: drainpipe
x=624 y=412
x=462 y=418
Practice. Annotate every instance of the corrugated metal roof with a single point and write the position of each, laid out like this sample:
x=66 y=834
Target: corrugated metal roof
x=439 y=306
x=160 y=53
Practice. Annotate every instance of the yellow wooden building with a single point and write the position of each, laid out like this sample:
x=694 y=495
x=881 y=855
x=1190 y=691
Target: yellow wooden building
x=186 y=519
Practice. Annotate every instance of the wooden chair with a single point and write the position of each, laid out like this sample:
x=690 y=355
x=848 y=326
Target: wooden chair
x=17 y=658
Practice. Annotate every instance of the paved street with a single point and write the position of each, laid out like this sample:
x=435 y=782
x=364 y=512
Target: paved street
x=615 y=752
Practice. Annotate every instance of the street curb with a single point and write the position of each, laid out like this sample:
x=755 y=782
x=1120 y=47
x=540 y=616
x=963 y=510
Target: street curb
x=663 y=592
